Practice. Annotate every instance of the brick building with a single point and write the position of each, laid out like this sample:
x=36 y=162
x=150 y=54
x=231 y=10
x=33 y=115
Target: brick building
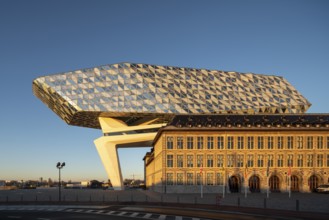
x=261 y=151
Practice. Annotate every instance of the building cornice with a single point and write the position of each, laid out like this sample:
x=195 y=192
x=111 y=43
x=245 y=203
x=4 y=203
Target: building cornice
x=240 y=123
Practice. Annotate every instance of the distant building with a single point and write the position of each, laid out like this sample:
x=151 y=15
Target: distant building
x=74 y=185
x=253 y=151
x=85 y=184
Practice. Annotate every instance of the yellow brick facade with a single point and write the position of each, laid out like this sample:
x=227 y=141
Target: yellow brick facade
x=256 y=159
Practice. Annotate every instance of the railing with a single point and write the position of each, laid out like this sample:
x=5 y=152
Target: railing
x=298 y=201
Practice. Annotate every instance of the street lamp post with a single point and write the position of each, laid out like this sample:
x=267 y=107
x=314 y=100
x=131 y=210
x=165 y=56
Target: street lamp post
x=224 y=180
x=59 y=167
x=201 y=189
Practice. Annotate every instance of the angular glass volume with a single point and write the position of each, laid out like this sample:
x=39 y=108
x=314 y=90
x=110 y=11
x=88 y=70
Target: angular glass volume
x=131 y=92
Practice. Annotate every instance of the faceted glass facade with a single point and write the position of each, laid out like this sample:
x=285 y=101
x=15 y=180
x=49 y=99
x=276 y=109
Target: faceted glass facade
x=132 y=91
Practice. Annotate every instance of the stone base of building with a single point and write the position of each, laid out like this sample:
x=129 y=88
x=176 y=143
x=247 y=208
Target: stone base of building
x=187 y=189
x=196 y=189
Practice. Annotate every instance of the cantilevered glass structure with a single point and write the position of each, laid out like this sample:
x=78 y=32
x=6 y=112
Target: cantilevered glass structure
x=134 y=100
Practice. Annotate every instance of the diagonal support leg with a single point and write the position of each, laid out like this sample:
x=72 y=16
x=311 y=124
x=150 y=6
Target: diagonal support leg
x=109 y=156
x=107 y=146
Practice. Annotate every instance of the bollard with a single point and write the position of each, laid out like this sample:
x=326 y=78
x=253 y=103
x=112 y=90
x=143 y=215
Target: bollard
x=218 y=200
x=265 y=205
x=297 y=205
x=117 y=198
x=238 y=201
x=90 y=198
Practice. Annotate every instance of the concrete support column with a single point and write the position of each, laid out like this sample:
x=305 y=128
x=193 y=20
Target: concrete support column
x=107 y=145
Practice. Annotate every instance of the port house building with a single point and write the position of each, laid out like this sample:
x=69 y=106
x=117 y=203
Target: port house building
x=209 y=127
x=253 y=151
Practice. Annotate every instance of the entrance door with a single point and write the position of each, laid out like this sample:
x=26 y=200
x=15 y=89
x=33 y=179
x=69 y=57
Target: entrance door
x=274 y=183
x=294 y=184
x=313 y=182
x=254 y=184
x=234 y=184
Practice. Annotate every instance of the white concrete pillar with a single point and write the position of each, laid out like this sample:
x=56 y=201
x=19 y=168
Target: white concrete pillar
x=107 y=146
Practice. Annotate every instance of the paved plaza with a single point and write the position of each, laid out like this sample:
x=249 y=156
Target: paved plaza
x=308 y=202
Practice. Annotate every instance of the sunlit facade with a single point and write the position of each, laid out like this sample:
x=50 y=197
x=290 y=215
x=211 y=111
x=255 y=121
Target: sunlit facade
x=130 y=102
x=238 y=152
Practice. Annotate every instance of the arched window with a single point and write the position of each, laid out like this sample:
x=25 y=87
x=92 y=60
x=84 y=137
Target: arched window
x=274 y=183
x=254 y=184
x=313 y=182
x=234 y=185
x=294 y=184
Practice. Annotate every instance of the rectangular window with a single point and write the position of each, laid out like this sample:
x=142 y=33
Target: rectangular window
x=210 y=142
x=180 y=161
x=300 y=160
x=269 y=142
x=220 y=142
x=309 y=160
x=180 y=142
x=280 y=160
x=260 y=142
x=230 y=142
x=198 y=178
x=200 y=143
x=320 y=142
x=210 y=160
x=199 y=161
x=220 y=160
x=170 y=160
x=260 y=160
x=230 y=160
x=319 y=161
x=299 y=142
x=290 y=142
x=189 y=178
x=250 y=160
x=270 y=161
x=309 y=142
x=280 y=142
x=170 y=142
x=290 y=160
x=190 y=142
x=210 y=179
x=170 y=179
x=189 y=160
x=240 y=159
x=219 y=179
x=240 y=142
x=250 y=143
x=179 y=178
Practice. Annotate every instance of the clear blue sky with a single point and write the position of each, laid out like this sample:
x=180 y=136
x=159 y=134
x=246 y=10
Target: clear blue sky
x=289 y=38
